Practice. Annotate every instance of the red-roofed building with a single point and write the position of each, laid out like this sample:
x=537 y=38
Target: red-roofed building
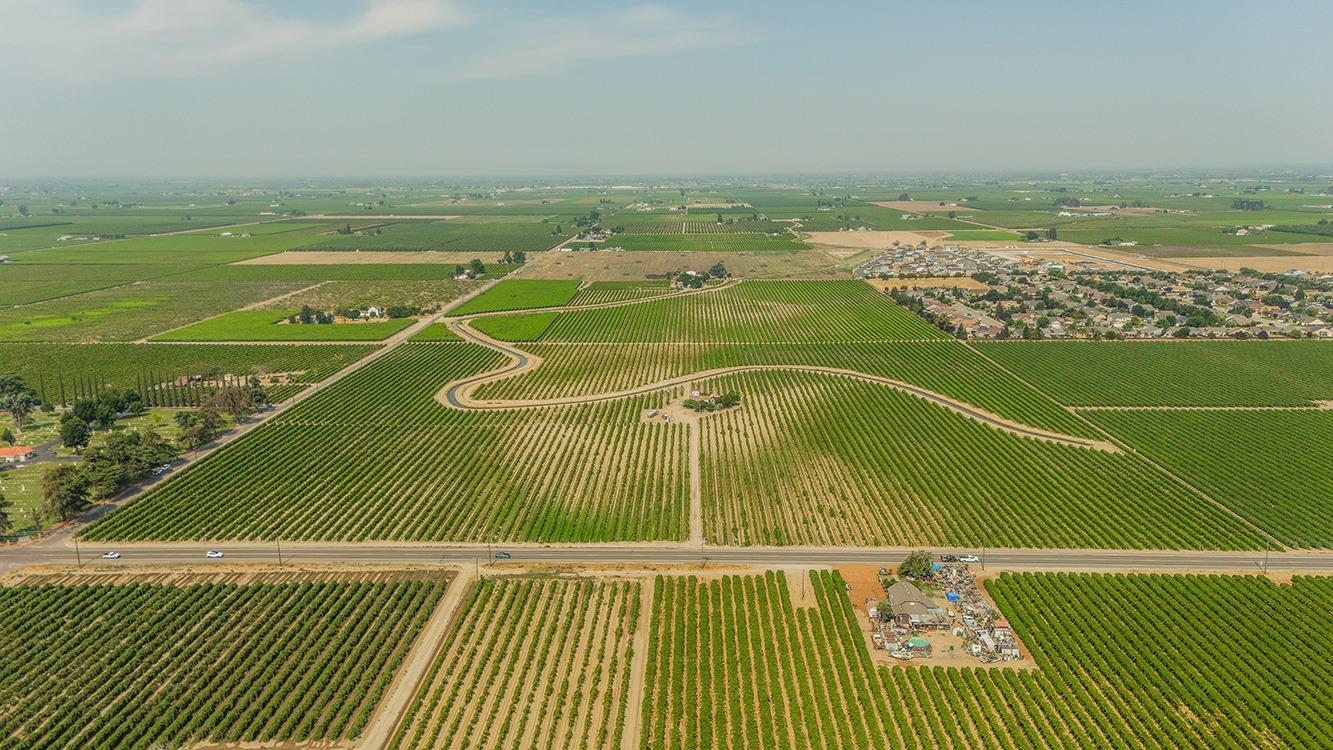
x=15 y=454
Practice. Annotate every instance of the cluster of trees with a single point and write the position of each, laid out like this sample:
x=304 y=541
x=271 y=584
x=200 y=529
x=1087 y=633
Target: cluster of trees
x=917 y=565
x=716 y=403
x=1033 y=235
x=1247 y=204
x=1321 y=227
x=472 y=270
x=126 y=457
x=17 y=398
x=347 y=229
x=592 y=219
x=6 y=523
x=1194 y=315
x=1068 y=202
x=202 y=425
x=309 y=314
x=697 y=280
x=77 y=422
x=518 y=257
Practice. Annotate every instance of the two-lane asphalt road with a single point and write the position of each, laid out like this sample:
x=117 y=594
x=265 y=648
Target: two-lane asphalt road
x=660 y=554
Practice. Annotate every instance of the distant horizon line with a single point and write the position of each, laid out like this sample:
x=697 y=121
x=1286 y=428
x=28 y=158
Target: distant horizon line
x=594 y=179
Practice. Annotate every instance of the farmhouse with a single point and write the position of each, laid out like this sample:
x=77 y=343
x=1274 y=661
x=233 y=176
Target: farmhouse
x=913 y=609
x=16 y=454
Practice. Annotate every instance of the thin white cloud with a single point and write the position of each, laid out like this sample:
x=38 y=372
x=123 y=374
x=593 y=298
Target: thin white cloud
x=640 y=31
x=78 y=41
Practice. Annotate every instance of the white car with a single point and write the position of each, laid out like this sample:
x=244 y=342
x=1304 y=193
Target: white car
x=214 y=554
x=969 y=559
x=163 y=469
x=110 y=555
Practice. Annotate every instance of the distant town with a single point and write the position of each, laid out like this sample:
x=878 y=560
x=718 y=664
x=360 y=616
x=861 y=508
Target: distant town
x=977 y=293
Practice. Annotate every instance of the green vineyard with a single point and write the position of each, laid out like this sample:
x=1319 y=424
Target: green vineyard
x=756 y=312
x=947 y=367
x=1275 y=468
x=1192 y=373
x=530 y=664
x=813 y=459
x=398 y=465
x=129 y=667
x=61 y=373
x=733 y=664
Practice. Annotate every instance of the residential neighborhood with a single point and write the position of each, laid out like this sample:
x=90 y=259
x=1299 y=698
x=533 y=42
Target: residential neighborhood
x=1056 y=299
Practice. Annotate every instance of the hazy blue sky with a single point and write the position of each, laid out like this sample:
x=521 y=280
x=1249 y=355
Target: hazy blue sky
x=457 y=87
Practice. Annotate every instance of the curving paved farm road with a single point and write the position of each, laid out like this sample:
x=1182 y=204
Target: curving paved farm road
x=458 y=394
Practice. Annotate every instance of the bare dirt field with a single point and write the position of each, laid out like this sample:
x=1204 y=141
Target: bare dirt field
x=1304 y=248
x=871 y=240
x=1103 y=258
x=365 y=257
x=959 y=282
x=1269 y=264
x=925 y=206
x=597 y=266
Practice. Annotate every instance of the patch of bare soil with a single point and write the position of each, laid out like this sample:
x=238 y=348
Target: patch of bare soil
x=365 y=257
x=926 y=206
x=1100 y=257
x=1267 y=264
x=1303 y=248
x=874 y=240
x=958 y=282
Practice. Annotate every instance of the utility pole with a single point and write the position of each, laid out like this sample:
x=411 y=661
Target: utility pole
x=279 y=538
x=1266 y=548
x=78 y=558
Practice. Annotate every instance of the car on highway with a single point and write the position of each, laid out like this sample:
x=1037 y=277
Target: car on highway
x=502 y=555
x=969 y=559
x=948 y=558
x=110 y=555
x=214 y=554
x=160 y=470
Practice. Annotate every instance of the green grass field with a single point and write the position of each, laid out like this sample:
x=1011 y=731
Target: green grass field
x=515 y=327
x=520 y=294
x=268 y=325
